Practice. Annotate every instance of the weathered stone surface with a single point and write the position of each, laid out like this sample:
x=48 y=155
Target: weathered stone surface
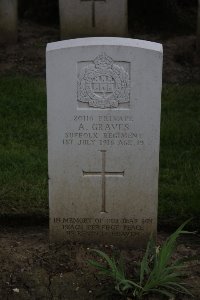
x=103 y=139
x=8 y=21
x=82 y=18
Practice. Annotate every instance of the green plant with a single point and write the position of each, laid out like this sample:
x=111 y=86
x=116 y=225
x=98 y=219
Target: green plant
x=157 y=272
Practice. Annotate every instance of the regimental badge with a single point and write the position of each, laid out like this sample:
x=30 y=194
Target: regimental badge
x=104 y=83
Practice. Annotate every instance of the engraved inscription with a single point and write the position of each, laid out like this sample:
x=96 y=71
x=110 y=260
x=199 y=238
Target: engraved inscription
x=104 y=83
x=103 y=174
x=104 y=131
x=107 y=227
x=93 y=9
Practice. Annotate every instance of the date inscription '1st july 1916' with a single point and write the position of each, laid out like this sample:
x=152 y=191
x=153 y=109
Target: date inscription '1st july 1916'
x=103 y=131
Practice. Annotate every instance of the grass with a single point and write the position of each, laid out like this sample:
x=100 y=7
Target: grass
x=23 y=150
x=179 y=185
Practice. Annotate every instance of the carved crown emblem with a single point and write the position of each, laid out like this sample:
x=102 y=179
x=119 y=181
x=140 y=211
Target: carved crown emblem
x=103 y=61
x=104 y=83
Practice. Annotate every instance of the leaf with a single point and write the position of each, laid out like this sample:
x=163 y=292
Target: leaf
x=181 y=288
x=95 y=264
x=164 y=292
x=105 y=257
x=116 y=271
x=158 y=274
x=132 y=283
x=144 y=267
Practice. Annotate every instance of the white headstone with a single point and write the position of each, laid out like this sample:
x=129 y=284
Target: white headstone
x=81 y=18
x=8 y=21
x=104 y=98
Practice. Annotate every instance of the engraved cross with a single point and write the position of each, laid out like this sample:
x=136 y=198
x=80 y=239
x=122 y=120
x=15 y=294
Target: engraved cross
x=103 y=173
x=93 y=9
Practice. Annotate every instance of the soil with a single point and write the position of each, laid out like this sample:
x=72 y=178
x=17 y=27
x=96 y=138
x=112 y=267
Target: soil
x=27 y=57
x=31 y=267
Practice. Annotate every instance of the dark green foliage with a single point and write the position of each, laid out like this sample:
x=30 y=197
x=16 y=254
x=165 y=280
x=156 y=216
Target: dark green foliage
x=23 y=149
x=179 y=187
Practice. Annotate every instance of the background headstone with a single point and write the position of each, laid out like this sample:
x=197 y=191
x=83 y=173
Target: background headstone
x=103 y=139
x=8 y=21
x=82 y=18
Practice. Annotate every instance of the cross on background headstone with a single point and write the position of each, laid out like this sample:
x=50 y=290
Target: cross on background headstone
x=93 y=9
x=103 y=173
x=86 y=18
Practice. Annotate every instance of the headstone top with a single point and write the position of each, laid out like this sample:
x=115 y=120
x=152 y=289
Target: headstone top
x=104 y=41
